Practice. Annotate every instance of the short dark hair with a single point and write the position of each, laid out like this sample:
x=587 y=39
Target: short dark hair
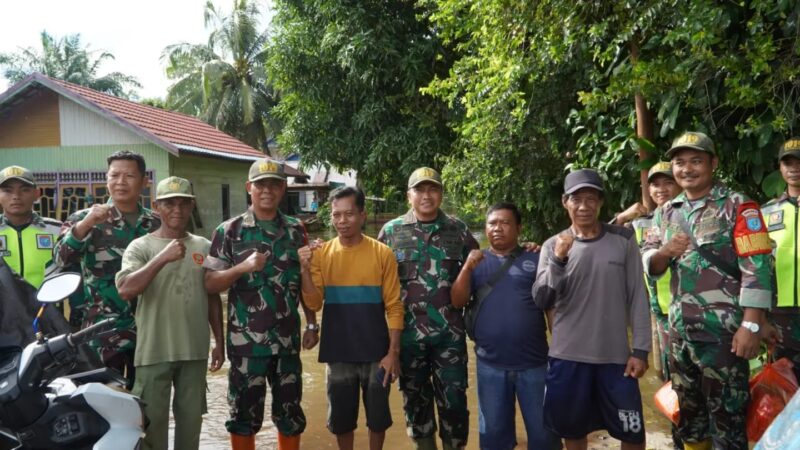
x=125 y=155
x=350 y=191
x=506 y=205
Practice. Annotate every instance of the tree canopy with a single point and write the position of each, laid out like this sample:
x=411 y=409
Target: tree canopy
x=224 y=81
x=506 y=97
x=67 y=59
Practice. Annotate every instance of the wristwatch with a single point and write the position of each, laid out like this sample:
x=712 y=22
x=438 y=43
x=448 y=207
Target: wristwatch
x=312 y=327
x=752 y=326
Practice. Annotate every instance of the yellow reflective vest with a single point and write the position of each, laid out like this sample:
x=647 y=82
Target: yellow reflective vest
x=781 y=218
x=662 y=296
x=29 y=251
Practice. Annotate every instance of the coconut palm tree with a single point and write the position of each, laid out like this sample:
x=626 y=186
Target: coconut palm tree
x=69 y=60
x=224 y=82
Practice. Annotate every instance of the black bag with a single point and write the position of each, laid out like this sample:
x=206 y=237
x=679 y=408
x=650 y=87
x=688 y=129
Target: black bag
x=473 y=308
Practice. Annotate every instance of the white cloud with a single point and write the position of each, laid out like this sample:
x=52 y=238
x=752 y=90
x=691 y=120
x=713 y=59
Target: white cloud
x=134 y=32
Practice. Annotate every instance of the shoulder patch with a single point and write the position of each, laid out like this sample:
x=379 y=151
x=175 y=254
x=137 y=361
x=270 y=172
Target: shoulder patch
x=750 y=235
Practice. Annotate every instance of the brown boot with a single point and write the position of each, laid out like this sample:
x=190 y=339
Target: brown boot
x=288 y=442
x=242 y=442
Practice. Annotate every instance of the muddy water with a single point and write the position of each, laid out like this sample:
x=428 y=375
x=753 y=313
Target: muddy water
x=315 y=405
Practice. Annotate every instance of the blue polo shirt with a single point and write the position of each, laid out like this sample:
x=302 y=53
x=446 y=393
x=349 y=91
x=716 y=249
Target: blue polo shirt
x=510 y=328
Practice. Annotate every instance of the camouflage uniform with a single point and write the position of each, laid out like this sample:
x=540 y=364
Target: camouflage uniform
x=781 y=215
x=100 y=257
x=263 y=336
x=429 y=257
x=707 y=310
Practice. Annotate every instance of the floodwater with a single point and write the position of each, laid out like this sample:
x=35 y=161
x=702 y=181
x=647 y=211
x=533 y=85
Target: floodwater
x=315 y=404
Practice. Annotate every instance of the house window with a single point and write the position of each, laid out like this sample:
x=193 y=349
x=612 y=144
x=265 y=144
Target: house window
x=64 y=193
x=226 y=202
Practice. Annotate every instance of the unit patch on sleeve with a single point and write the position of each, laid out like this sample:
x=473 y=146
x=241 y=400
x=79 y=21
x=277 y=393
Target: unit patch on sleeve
x=750 y=236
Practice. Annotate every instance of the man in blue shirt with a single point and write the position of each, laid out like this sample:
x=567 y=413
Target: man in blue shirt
x=510 y=341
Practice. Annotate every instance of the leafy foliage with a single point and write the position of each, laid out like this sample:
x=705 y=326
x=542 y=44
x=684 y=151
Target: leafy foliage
x=224 y=82
x=349 y=74
x=69 y=60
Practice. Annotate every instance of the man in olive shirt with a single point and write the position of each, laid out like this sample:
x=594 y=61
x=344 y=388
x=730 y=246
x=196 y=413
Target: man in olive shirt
x=165 y=270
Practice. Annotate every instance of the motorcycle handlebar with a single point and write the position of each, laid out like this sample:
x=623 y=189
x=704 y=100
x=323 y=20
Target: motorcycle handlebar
x=89 y=333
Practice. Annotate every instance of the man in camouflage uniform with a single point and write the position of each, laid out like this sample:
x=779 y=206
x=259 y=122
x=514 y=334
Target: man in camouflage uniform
x=721 y=289
x=781 y=215
x=431 y=247
x=96 y=238
x=254 y=257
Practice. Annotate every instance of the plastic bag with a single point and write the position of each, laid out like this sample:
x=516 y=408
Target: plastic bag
x=770 y=391
x=666 y=401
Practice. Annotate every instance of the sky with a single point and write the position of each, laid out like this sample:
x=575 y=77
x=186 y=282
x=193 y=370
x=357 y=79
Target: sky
x=135 y=32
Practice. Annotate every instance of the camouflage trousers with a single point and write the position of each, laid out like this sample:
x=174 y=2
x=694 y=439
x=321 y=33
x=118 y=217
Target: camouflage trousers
x=247 y=391
x=713 y=392
x=434 y=369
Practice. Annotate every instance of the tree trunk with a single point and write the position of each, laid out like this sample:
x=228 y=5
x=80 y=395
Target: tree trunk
x=644 y=128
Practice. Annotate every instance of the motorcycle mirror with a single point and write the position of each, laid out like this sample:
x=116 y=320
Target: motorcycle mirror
x=58 y=287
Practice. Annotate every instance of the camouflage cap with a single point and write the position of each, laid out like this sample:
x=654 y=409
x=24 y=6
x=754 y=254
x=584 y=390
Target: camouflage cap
x=790 y=148
x=661 y=168
x=174 y=187
x=692 y=140
x=17 y=173
x=422 y=175
x=266 y=168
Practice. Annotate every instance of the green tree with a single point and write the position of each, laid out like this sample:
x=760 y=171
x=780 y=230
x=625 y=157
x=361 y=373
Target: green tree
x=224 y=82
x=349 y=74
x=69 y=60
x=553 y=85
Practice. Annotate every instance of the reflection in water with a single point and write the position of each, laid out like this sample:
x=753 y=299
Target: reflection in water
x=315 y=404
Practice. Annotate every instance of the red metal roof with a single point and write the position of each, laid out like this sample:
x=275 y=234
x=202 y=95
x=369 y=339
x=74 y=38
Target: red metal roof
x=172 y=130
x=173 y=127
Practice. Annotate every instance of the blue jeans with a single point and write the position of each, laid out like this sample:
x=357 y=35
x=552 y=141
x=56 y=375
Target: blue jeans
x=498 y=392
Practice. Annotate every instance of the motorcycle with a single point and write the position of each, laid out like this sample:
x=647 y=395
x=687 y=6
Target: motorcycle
x=42 y=407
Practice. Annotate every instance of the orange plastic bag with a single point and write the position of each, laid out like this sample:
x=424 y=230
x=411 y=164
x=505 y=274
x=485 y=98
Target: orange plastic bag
x=667 y=402
x=770 y=391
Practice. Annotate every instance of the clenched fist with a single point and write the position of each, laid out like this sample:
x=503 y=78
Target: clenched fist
x=255 y=262
x=676 y=246
x=98 y=214
x=564 y=243
x=306 y=253
x=475 y=257
x=174 y=251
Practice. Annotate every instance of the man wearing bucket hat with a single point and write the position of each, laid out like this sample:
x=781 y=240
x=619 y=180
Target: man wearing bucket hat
x=431 y=247
x=164 y=270
x=716 y=245
x=781 y=215
x=254 y=257
x=593 y=270
x=26 y=238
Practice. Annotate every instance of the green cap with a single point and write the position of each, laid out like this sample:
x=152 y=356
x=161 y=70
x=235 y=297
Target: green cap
x=692 y=140
x=422 y=175
x=174 y=187
x=661 y=168
x=266 y=168
x=790 y=148
x=17 y=173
